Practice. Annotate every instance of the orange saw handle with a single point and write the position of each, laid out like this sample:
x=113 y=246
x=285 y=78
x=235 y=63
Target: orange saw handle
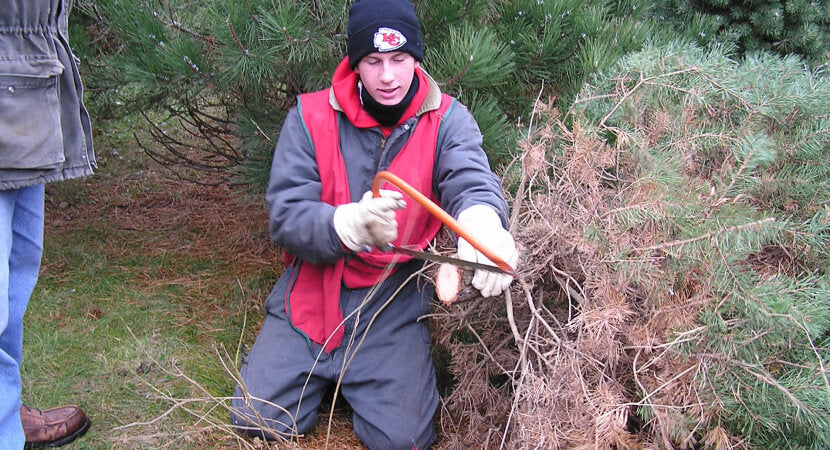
x=442 y=215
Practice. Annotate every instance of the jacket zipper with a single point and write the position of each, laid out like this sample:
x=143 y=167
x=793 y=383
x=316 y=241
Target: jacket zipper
x=380 y=155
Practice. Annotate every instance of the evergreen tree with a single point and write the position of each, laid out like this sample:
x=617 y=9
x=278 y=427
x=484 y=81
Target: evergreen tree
x=689 y=197
x=783 y=26
x=227 y=71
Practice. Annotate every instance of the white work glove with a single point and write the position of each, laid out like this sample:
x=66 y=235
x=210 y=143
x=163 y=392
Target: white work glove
x=485 y=226
x=369 y=222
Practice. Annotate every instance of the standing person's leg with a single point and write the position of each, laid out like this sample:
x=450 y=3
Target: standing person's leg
x=21 y=246
x=282 y=386
x=390 y=383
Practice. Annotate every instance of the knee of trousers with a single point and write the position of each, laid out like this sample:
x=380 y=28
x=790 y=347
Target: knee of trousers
x=416 y=430
x=404 y=438
x=261 y=419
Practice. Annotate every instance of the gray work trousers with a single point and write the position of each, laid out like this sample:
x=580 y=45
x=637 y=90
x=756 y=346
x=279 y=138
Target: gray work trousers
x=389 y=380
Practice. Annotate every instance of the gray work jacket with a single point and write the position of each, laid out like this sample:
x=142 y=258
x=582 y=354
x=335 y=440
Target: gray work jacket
x=45 y=131
x=302 y=224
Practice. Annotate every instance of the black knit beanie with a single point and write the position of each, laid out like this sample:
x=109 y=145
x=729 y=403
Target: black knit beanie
x=383 y=26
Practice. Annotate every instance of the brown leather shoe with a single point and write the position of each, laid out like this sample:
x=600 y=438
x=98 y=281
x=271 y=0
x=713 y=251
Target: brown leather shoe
x=52 y=427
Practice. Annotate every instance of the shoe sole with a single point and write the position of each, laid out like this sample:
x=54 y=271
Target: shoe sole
x=62 y=441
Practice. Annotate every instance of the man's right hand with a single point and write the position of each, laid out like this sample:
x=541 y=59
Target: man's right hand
x=369 y=222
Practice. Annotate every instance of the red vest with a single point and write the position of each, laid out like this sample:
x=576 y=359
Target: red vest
x=312 y=300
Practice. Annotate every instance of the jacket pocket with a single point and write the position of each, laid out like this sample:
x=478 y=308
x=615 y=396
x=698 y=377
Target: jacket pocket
x=30 y=124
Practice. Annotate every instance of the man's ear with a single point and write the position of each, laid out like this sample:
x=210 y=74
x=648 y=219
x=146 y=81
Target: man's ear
x=417 y=63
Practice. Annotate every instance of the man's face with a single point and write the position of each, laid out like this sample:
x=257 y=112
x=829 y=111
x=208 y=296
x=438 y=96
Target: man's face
x=387 y=76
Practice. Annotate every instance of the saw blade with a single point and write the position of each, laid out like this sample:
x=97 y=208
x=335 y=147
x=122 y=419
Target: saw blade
x=444 y=259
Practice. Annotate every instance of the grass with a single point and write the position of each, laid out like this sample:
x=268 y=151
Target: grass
x=147 y=284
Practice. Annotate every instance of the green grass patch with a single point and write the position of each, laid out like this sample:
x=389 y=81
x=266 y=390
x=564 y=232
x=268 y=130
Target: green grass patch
x=132 y=309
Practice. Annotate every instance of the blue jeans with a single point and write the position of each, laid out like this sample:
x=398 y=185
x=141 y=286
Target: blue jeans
x=21 y=246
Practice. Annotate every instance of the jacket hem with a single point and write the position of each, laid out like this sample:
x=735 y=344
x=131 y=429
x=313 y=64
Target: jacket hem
x=26 y=180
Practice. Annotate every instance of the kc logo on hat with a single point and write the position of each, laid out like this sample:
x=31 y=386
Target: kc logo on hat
x=388 y=39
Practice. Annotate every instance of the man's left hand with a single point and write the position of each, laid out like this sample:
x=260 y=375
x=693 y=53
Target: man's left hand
x=484 y=223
